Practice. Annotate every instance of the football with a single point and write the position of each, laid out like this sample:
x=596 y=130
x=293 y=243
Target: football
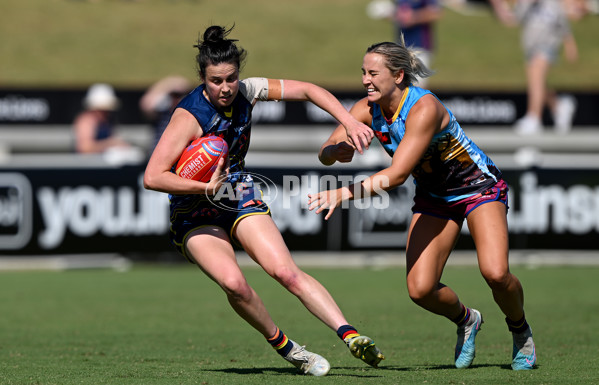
x=199 y=160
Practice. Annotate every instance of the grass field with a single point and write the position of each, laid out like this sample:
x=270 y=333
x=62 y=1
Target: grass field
x=171 y=325
x=72 y=43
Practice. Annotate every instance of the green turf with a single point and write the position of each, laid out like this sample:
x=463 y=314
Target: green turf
x=171 y=325
x=64 y=43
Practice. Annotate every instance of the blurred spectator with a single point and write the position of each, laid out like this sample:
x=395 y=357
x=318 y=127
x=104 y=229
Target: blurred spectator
x=545 y=29
x=94 y=127
x=159 y=101
x=416 y=20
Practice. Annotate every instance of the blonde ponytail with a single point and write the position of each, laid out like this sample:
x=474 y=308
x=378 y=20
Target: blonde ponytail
x=399 y=57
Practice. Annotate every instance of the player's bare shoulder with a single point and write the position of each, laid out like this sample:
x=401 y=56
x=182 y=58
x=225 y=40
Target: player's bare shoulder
x=362 y=111
x=428 y=111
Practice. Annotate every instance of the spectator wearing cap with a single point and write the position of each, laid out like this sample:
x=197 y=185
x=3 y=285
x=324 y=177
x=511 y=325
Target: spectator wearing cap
x=94 y=127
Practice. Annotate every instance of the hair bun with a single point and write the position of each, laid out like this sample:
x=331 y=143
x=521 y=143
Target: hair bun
x=214 y=35
x=214 y=48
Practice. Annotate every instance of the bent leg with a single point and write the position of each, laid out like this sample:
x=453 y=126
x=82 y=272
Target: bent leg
x=488 y=226
x=263 y=242
x=430 y=241
x=211 y=249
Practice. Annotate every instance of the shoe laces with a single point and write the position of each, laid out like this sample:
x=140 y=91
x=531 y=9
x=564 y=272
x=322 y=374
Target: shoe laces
x=298 y=354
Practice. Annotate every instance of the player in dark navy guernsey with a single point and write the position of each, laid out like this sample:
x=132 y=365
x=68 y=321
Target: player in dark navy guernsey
x=455 y=181
x=204 y=231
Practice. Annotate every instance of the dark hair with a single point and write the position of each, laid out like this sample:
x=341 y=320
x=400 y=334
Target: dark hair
x=399 y=57
x=214 y=49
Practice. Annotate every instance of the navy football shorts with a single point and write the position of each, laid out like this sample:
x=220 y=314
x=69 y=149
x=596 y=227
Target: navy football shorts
x=192 y=212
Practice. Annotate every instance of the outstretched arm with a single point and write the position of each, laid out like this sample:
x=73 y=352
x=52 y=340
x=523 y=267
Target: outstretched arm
x=425 y=119
x=359 y=134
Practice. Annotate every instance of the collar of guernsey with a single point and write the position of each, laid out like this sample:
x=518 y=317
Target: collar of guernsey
x=391 y=131
x=404 y=96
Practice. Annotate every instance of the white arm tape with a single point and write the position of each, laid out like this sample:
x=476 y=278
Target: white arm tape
x=254 y=89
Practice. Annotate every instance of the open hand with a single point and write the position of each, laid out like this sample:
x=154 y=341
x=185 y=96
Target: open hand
x=323 y=200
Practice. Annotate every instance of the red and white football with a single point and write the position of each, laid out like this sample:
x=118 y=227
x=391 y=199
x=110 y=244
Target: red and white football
x=199 y=160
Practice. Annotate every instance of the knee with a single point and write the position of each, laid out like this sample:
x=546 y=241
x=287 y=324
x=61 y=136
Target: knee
x=289 y=278
x=237 y=289
x=419 y=292
x=498 y=279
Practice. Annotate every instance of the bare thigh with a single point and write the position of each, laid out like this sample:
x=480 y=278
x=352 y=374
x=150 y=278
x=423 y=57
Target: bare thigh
x=488 y=227
x=212 y=251
x=264 y=243
x=430 y=241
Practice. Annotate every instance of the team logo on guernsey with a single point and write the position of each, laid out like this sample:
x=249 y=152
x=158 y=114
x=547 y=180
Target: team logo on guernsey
x=383 y=137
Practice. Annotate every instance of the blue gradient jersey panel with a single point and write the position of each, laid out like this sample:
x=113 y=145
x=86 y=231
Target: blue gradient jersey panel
x=453 y=166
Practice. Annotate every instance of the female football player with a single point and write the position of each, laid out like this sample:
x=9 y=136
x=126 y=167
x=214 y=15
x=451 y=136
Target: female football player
x=204 y=231
x=454 y=180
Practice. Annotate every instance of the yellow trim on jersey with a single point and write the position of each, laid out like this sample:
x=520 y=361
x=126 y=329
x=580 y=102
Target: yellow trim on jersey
x=401 y=103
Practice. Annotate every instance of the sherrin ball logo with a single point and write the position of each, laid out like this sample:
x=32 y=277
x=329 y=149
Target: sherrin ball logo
x=199 y=160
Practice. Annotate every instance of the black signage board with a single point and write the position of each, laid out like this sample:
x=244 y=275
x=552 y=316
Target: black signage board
x=56 y=107
x=92 y=210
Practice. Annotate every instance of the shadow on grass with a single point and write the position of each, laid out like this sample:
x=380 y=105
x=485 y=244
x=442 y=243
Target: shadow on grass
x=367 y=372
x=335 y=372
x=442 y=367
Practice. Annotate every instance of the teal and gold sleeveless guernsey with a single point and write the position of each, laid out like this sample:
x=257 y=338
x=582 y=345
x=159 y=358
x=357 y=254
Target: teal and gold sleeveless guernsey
x=453 y=167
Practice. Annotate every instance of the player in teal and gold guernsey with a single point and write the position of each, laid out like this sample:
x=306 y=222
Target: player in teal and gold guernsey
x=204 y=231
x=453 y=167
x=455 y=181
